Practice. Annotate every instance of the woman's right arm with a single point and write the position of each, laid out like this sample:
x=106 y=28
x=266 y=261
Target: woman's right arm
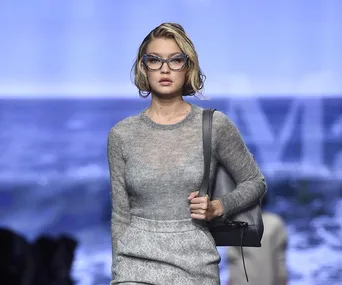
x=120 y=203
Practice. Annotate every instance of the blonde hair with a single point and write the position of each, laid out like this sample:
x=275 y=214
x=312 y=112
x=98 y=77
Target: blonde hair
x=194 y=81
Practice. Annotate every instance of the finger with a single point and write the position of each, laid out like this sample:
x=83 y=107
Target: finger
x=193 y=195
x=198 y=216
x=203 y=206
x=199 y=200
x=198 y=211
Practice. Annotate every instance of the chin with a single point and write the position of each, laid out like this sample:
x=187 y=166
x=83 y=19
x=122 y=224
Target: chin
x=169 y=93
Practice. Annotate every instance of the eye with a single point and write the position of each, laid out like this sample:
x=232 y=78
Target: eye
x=152 y=59
x=177 y=59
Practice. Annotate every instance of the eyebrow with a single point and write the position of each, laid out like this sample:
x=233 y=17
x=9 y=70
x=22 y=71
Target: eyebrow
x=171 y=54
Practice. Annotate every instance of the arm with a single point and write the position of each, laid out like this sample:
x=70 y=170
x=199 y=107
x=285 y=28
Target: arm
x=120 y=203
x=233 y=154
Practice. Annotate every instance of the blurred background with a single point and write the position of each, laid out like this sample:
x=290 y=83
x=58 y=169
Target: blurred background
x=275 y=67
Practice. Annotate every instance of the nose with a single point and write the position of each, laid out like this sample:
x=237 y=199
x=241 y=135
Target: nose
x=165 y=68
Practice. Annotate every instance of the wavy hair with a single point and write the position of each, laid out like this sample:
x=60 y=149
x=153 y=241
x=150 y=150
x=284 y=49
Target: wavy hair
x=195 y=78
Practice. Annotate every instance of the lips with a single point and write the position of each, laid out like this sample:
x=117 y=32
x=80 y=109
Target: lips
x=165 y=80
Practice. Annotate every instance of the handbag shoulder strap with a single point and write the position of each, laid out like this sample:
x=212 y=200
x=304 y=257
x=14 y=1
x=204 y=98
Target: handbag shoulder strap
x=207 y=120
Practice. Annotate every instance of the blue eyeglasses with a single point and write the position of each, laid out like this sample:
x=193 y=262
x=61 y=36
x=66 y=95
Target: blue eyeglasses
x=175 y=63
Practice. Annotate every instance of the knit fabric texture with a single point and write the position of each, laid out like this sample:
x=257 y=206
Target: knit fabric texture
x=154 y=168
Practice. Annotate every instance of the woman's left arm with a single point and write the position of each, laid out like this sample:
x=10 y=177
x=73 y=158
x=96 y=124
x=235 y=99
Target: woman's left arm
x=232 y=153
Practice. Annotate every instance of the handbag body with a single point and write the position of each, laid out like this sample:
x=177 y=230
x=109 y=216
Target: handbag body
x=242 y=229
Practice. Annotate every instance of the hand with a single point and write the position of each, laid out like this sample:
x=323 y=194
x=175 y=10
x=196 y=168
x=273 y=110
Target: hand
x=203 y=209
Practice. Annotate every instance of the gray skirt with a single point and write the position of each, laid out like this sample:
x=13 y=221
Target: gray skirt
x=166 y=252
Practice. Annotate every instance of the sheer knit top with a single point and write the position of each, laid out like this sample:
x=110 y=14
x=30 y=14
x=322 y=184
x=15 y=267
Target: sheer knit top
x=154 y=167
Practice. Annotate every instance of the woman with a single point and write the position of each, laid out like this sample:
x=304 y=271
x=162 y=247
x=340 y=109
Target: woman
x=159 y=233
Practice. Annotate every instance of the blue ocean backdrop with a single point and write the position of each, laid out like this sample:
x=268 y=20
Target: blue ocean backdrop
x=54 y=174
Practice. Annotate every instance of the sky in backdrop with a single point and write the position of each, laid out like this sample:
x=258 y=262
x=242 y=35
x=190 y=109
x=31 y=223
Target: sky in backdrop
x=87 y=47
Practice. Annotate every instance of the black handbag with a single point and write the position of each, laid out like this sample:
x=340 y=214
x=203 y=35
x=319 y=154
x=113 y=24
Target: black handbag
x=243 y=229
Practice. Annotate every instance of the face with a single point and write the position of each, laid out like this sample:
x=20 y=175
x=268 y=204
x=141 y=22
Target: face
x=165 y=81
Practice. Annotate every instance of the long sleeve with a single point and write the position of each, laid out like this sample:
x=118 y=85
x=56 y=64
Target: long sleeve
x=233 y=154
x=120 y=203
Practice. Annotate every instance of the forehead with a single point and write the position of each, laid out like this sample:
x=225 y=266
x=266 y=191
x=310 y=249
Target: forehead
x=163 y=47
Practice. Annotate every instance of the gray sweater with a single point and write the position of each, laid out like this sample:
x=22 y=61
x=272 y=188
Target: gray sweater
x=154 y=167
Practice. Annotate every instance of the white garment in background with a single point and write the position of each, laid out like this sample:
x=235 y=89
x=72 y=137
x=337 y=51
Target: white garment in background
x=265 y=265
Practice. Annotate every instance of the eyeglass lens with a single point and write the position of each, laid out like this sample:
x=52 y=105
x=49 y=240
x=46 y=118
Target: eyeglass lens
x=154 y=62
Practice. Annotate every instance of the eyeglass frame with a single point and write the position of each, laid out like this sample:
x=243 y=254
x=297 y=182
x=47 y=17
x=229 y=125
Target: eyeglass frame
x=167 y=61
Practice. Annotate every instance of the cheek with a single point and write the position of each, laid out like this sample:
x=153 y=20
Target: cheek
x=181 y=77
x=152 y=77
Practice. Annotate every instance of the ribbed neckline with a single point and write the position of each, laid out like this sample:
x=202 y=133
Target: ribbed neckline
x=153 y=124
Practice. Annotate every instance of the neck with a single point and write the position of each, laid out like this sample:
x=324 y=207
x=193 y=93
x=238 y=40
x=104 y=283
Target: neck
x=167 y=109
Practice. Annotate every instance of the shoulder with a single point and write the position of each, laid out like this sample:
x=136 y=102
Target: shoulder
x=224 y=127
x=121 y=132
x=124 y=126
x=220 y=119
